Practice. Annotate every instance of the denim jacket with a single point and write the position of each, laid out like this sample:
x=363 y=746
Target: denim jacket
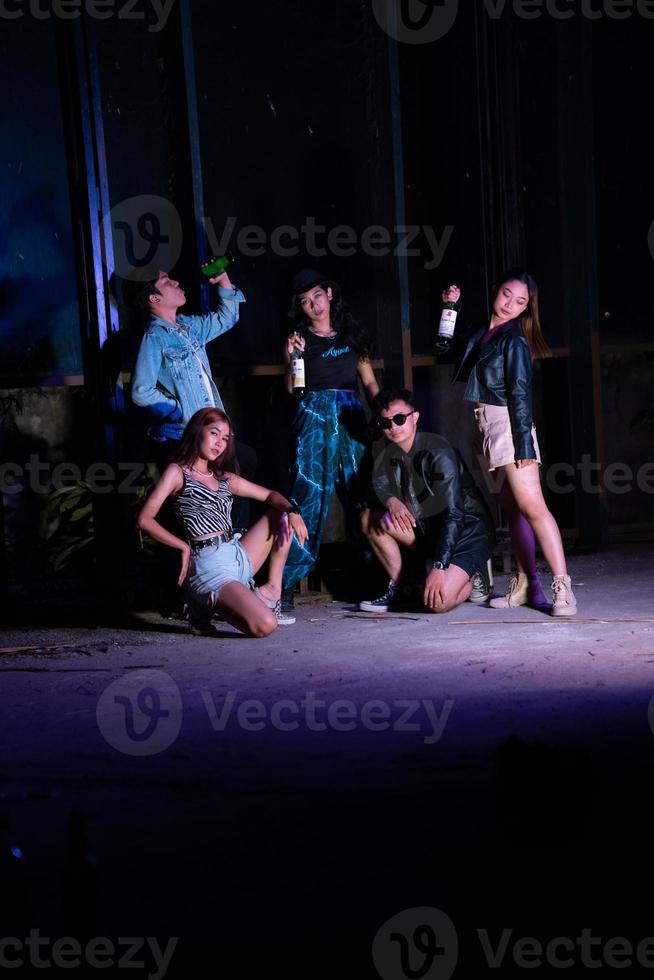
x=172 y=377
x=500 y=373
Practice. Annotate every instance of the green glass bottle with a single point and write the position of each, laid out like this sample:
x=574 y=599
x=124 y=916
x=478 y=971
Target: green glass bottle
x=216 y=265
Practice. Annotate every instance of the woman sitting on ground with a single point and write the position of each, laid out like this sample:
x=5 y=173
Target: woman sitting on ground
x=217 y=563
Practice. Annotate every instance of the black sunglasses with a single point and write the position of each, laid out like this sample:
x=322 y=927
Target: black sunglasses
x=399 y=419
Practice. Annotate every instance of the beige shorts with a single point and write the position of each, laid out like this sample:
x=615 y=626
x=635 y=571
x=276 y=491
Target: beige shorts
x=494 y=438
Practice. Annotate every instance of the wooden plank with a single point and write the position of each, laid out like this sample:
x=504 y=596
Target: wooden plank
x=546 y=620
x=37 y=646
x=407 y=360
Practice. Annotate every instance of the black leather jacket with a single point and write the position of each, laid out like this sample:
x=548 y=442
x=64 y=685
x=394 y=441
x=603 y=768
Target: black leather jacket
x=435 y=483
x=501 y=374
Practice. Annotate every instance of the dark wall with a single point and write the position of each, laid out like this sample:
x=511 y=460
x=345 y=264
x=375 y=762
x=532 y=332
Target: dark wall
x=441 y=144
x=622 y=89
x=39 y=322
x=284 y=114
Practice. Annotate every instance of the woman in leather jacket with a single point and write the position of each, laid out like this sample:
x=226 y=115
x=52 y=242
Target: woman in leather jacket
x=496 y=366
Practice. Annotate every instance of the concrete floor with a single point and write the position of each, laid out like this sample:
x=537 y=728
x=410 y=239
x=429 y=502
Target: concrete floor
x=494 y=766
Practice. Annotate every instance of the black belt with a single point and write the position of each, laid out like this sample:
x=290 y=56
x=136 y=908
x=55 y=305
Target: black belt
x=216 y=539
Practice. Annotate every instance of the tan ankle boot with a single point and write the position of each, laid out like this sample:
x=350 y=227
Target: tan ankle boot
x=565 y=603
x=517 y=594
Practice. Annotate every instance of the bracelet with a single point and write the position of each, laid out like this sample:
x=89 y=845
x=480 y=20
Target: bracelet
x=294 y=510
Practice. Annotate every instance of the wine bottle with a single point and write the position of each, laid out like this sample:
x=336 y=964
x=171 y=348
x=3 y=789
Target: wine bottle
x=446 y=326
x=216 y=265
x=297 y=371
x=448 y=321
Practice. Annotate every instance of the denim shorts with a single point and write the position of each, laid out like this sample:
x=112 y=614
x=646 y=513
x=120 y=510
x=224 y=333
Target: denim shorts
x=217 y=564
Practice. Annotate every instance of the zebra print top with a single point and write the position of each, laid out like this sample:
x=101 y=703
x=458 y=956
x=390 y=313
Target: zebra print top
x=204 y=511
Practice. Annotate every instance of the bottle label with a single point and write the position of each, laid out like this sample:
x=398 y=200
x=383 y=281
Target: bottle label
x=297 y=370
x=447 y=324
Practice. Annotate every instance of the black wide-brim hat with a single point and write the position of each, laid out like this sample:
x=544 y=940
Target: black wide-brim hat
x=307 y=279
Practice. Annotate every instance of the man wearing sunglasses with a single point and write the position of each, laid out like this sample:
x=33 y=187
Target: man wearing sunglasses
x=426 y=502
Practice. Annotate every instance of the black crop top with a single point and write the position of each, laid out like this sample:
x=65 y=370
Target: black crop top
x=329 y=362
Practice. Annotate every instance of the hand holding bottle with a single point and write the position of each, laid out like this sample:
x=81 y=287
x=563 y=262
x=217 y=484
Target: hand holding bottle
x=450 y=298
x=452 y=294
x=294 y=357
x=221 y=280
x=295 y=342
x=215 y=271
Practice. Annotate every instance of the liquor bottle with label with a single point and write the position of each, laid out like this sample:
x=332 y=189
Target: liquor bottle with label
x=447 y=324
x=297 y=371
x=216 y=265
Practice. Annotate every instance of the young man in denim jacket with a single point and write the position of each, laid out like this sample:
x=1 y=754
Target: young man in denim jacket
x=172 y=378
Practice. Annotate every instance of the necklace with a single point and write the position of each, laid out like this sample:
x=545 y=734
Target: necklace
x=201 y=472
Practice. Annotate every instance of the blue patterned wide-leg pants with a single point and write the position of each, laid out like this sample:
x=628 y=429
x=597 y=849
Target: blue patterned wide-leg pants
x=330 y=441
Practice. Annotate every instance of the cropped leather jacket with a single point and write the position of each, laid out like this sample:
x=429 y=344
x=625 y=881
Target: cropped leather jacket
x=435 y=483
x=500 y=373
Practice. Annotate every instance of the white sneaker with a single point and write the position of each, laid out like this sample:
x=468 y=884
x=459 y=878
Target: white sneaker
x=382 y=603
x=481 y=587
x=283 y=618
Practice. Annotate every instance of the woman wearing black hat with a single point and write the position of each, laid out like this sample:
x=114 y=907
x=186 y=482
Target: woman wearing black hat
x=329 y=424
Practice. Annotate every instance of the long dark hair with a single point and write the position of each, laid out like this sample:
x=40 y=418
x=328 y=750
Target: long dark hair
x=342 y=321
x=189 y=447
x=529 y=318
